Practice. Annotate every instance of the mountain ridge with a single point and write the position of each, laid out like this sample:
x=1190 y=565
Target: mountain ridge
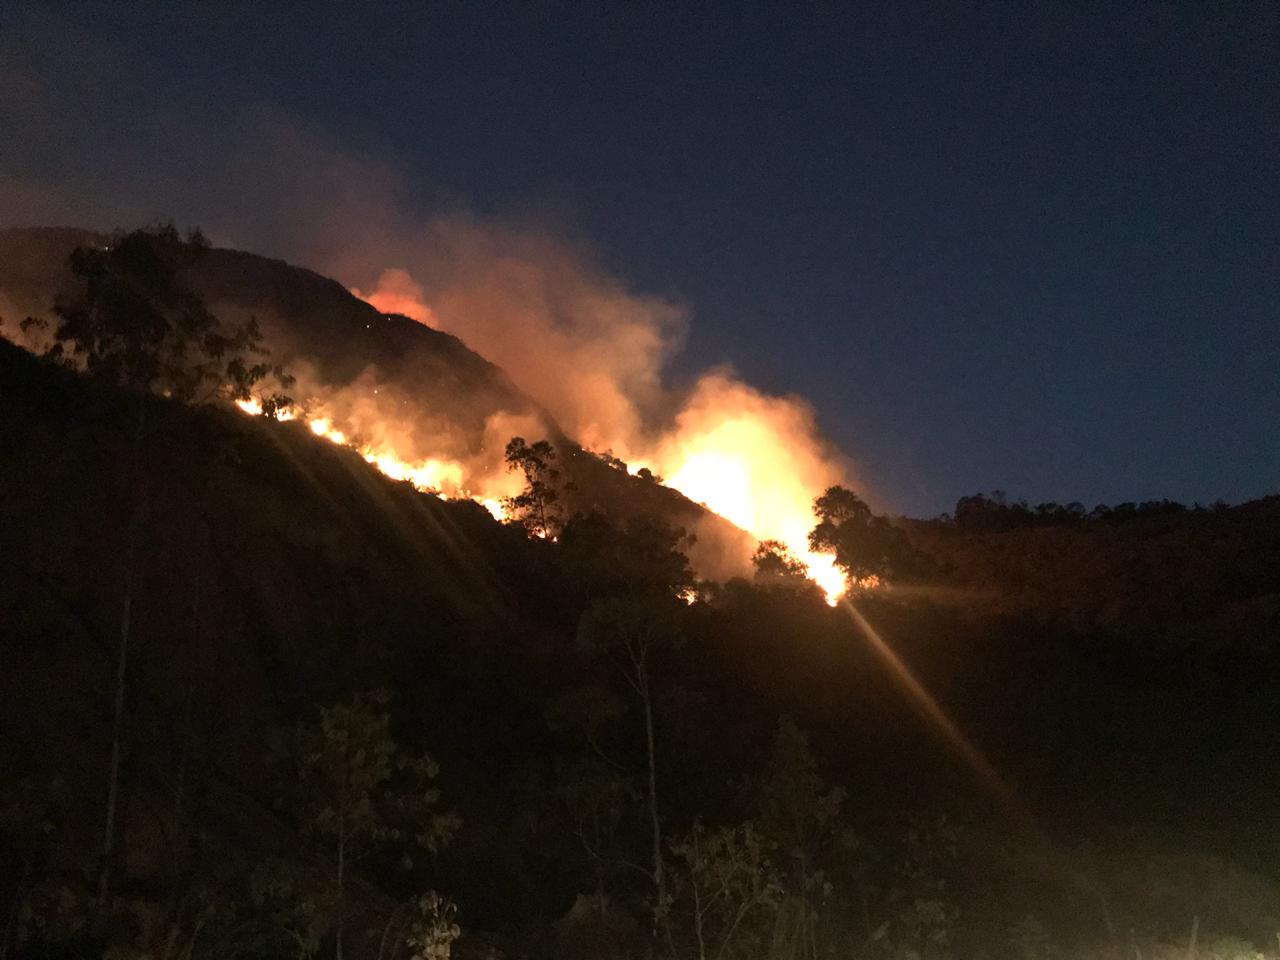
x=423 y=390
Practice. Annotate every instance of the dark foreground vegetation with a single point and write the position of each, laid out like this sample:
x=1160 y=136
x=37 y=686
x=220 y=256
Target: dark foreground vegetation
x=257 y=700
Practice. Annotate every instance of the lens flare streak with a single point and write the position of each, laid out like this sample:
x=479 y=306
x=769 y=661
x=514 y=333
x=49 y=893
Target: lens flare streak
x=925 y=702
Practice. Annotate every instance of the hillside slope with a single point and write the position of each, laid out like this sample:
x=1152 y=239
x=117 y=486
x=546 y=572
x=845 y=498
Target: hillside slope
x=381 y=376
x=277 y=574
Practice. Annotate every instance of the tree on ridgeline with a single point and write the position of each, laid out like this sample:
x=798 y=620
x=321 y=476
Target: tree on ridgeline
x=986 y=513
x=136 y=324
x=778 y=569
x=537 y=507
x=864 y=545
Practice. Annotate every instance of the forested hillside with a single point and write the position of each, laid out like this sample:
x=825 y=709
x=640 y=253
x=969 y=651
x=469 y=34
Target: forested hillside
x=278 y=576
x=260 y=699
x=380 y=374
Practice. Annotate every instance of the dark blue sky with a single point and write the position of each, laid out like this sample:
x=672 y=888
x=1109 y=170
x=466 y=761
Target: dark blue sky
x=1023 y=246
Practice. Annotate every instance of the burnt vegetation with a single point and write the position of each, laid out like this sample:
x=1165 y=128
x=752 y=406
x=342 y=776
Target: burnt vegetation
x=260 y=700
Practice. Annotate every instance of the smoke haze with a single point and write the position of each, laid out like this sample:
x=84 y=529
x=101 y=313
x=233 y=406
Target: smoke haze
x=569 y=332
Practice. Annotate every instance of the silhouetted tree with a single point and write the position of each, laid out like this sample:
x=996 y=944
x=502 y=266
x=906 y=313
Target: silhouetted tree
x=637 y=580
x=864 y=545
x=594 y=788
x=136 y=324
x=920 y=903
x=801 y=814
x=537 y=506
x=727 y=888
x=349 y=783
x=773 y=560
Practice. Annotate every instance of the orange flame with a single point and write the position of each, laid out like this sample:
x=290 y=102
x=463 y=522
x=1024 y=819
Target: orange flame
x=738 y=467
x=754 y=460
x=759 y=461
x=444 y=478
x=744 y=466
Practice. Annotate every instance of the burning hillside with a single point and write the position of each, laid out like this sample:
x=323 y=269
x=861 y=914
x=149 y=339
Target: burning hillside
x=444 y=478
x=711 y=470
x=390 y=376
x=756 y=460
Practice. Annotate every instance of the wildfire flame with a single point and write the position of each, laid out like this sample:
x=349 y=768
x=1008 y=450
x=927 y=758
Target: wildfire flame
x=590 y=352
x=722 y=482
x=444 y=478
x=594 y=353
x=714 y=461
x=725 y=484
x=748 y=457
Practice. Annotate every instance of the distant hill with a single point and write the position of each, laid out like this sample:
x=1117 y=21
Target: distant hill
x=307 y=319
x=1196 y=574
x=439 y=397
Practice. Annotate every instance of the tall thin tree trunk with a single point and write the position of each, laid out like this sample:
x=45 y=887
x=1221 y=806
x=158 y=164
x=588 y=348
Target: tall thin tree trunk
x=342 y=864
x=178 y=842
x=117 y=735
x=659 y=881
x=122 y=665
x=11 y=917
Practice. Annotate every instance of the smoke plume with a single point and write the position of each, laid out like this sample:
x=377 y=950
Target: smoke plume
x=567 y=330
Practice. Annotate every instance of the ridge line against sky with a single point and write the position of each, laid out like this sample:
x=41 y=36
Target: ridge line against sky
x=1011 y=247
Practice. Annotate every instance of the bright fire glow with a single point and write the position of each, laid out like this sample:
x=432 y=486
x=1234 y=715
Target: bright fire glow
x=594 y=354
x=725 y=483
x=323 y=427
x=253 y=407
x=740 y=466
x=444 y=478
x=430 y=474
x=745 y=457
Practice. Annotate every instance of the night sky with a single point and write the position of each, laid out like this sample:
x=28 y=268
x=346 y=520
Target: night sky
x=1021 y=246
